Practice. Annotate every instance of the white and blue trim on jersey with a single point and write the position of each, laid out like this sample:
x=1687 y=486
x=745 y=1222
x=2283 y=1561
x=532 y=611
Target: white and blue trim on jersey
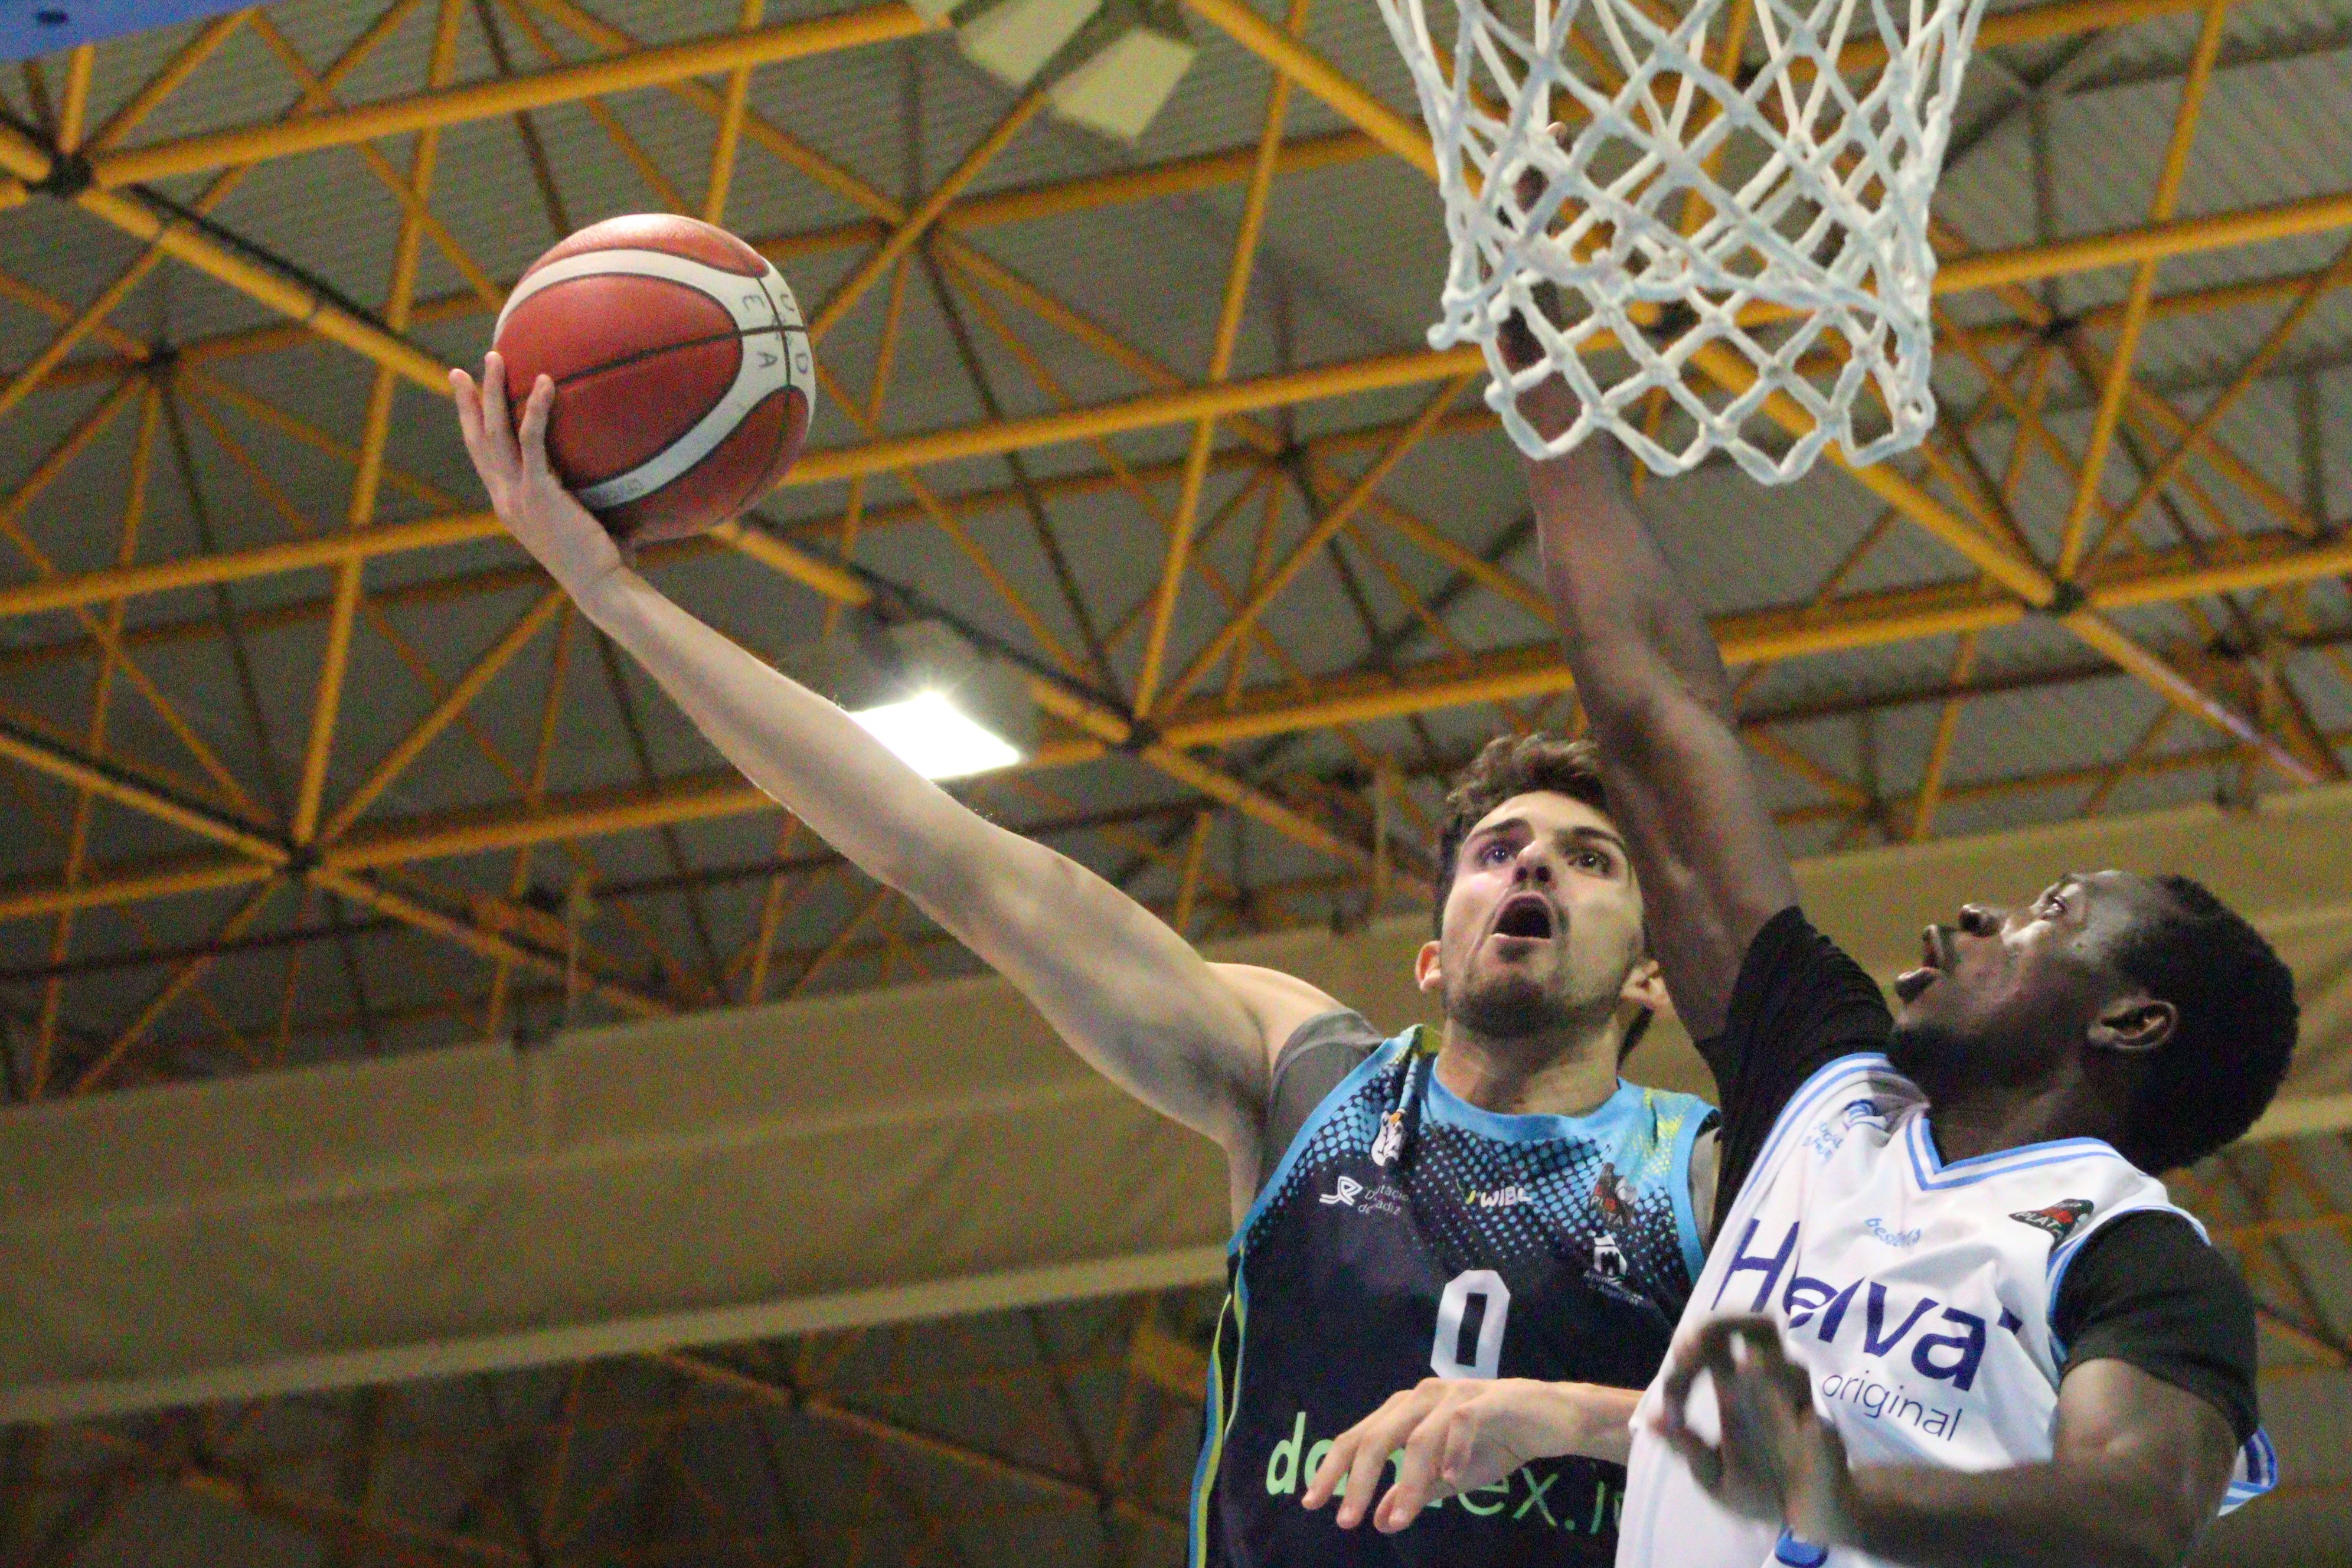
x=2256 y=1474
x=1826 y=1079
x=1935 y=1174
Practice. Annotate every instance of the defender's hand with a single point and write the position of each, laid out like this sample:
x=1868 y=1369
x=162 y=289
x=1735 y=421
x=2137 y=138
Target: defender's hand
x=524 y=490
x=1455 y=1434
x=1778 y=1461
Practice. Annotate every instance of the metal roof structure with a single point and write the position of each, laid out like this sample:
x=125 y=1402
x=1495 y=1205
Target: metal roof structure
x=303 y=760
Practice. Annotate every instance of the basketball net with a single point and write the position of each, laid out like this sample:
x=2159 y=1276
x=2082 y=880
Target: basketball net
x=1684 y=244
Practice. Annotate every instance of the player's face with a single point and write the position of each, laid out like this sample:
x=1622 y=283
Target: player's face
x=2000 y=994
x=1543 y=923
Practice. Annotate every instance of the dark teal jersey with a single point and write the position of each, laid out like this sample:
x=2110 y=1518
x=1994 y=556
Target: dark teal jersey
x=1406 y=1233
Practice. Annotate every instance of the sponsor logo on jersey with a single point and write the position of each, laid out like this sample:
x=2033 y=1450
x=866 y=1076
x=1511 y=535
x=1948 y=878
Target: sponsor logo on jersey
x=1878 y=1228
x=1505 y=1197
x=2059 y=1219
x=1928 y=1337
x=1351 y=1193
x=1346 y=1191
x=1524 y=1497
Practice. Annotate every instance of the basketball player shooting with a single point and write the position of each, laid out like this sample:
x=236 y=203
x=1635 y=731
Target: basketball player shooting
x=1490 y=1209
x=1949 y=1319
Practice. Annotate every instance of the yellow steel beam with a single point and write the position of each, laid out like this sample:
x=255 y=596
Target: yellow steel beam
x=730 y=140
x=485 y=287
x=326 y=705
x=1312 y=543
x=485 y=943
x=1221 y=361
x=282 y=294
x=1862 y=621
x=459 y=696
x=72 y=114
x=183 y=979
x=93 y=741
x=1149 y=411
x=2145 y=242
x=242 y=565
x=118 y=886
x=36 y=755
x=200 y=48
x=824 y=1409
x=1242 y=22
x=2142 y=286
x=918 y=222
x=2226 y=569
x=1965 y=273
x=2022 y=577
x=653 y=67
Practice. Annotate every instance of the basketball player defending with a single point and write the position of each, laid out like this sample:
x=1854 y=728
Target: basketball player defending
x=1492 y=1204
x=1949 y=1319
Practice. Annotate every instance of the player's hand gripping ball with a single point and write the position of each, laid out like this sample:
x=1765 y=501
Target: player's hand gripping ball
x=683 y=373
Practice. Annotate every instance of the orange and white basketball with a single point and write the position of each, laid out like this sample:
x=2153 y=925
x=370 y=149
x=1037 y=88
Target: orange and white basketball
x=683 y=374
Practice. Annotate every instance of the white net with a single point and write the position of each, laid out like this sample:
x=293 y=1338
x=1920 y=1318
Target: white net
x=1695 y=213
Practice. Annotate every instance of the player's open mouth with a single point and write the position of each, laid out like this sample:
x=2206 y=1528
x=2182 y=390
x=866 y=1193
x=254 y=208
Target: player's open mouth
x=1527 y=917
x=1935 y=954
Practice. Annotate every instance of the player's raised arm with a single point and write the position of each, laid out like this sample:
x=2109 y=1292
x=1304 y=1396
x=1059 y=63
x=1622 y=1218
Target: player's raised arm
x=1125 y=990
x=1712 y=867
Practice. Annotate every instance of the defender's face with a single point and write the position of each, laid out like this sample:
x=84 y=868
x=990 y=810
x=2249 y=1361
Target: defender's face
x=1544 y=918
x=2003 y=986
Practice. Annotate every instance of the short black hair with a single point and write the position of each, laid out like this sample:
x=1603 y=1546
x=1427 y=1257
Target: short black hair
x=1511 y=765
x=2228 y=1053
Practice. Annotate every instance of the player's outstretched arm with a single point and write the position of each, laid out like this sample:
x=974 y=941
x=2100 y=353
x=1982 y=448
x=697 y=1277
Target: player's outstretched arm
x=2139 y=1467
x=1710 y=861
x=1125 y=990
x=1454 y=1436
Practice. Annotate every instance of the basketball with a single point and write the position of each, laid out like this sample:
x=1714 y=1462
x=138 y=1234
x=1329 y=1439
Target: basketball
x=682 y=370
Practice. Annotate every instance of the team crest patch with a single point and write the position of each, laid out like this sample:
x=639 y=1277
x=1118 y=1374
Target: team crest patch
x=2059 y=1219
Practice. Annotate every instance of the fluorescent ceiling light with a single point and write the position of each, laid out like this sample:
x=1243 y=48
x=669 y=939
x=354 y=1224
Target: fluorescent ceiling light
x=931 y=735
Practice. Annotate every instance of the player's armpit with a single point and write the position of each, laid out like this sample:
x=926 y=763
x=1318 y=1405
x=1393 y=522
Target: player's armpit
x=1278 y=1003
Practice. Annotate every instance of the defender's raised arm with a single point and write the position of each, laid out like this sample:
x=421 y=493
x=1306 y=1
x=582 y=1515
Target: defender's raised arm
x=1127 y=992
x=1712 y=867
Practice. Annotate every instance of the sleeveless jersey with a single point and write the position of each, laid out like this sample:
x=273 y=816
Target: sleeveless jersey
x=1917 y=1293
x=1406 y=1232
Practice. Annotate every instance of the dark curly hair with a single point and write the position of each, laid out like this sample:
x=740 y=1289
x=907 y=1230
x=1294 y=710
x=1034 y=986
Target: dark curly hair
x=2209 y=1082
x=1513 y=765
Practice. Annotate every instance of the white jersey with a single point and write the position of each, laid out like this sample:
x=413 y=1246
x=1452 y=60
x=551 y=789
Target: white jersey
x=1917 y=1293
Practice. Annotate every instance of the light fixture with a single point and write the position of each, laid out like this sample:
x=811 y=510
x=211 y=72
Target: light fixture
x=1109 y=64
x=945 y=706
x=931 y=735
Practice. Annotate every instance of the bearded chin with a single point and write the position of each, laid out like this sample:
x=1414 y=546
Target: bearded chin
x=1506 y=1007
